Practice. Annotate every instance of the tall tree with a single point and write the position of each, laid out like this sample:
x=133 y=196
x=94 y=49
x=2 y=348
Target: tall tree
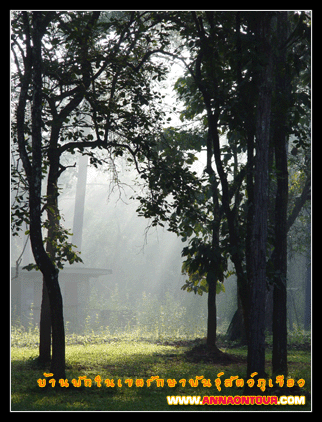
x=227 y=92
x=34 y=31
x=280 y=138
x=92 y=75
x=257 y=287
x=55 y=116
x=215 y=72
x=208 y=91
x=290 y=114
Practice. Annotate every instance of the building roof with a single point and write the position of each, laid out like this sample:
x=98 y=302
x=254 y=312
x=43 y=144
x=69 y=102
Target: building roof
x=69 y=271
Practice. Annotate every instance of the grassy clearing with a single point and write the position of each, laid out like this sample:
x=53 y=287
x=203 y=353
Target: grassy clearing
x=127 y=359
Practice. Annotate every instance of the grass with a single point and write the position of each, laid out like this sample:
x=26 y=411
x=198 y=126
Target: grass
x=128 y=359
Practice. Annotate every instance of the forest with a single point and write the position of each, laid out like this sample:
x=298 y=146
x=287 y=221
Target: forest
x=160 y=208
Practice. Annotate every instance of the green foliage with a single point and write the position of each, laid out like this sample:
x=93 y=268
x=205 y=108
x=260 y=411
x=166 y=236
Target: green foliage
x=64 y=250
x=97 y=93
x=221 y=83
x=200 y=286
x=98 y=75
x=173 y=188
x=199 y=268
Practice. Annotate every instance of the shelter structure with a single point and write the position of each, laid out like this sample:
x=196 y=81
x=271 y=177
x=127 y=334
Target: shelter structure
x=26 y=294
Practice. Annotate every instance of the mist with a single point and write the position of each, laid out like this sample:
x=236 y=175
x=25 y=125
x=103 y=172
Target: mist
x=143 y=291
x=130 y=279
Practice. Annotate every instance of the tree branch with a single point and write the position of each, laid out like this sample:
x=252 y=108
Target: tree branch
x=25 y=82
x=144 y=59
x=299 y=203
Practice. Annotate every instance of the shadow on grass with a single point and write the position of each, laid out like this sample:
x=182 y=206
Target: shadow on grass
x=167 y=360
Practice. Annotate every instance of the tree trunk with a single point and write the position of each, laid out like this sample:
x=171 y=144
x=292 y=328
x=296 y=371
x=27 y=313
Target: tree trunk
x=282 y=92
x=256 y=340
x=58 y=330
x=53 y=224
x=213 y=274
x=56 y=309
x=212 y=316
x=46 y=266
x=45 y=327
x=236 y=330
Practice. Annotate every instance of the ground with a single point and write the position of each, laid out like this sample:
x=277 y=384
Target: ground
x=184 y=366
